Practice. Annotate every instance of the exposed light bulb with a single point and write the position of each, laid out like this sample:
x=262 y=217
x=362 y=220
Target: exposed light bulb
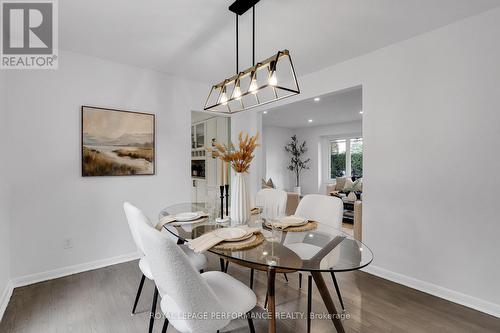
x=223 y=97
x=310 y=120
x=265 y=112
x=253 y=83
x=273 y=80
x=253 y=86
x=237 y=92
x=317 y=99
x=361 y=112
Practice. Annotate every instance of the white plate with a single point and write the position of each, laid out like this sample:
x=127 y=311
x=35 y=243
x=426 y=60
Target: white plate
x=230 y=233
x=245 y=237
x=183 y=217
x=293 y=220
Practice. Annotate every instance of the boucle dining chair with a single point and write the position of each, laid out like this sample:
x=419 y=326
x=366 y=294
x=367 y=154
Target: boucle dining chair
x=273 y=204
x=326 y=210
x=191 y=302
x=135 y=217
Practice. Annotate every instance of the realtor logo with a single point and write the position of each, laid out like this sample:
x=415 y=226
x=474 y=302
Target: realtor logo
x=29 y=34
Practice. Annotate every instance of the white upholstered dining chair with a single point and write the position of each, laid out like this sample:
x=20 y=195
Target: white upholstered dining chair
x=327 y=210
x=273 y=204
x=272 y=201
x=135 y=217
x=191 y=302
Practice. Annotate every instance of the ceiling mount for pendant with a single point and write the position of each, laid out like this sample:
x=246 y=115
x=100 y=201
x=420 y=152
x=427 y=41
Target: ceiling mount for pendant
x=267 y=81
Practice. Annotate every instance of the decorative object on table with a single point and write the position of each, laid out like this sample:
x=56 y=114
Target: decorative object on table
x=183 y=219
x=117 y=143
x=267 y=81
x=297 y=162
x=240 y=160
x=224 y=187
x=352 y=196
x=221 y=201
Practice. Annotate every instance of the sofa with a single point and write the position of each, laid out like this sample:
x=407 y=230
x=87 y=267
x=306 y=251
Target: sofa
x=341 y=188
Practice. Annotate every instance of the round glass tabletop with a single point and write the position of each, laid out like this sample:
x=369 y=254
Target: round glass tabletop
x=322 y=249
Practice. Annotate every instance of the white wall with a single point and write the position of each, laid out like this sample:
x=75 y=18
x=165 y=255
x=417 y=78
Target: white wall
x=4 y=194
x=51 y=201
x=276 y=158
x=313 y=180
x=431 y=129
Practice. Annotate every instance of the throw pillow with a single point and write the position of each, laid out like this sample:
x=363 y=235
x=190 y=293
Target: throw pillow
x=339 y=183
x=270 y=183
x=349 y=185
x=358 y=185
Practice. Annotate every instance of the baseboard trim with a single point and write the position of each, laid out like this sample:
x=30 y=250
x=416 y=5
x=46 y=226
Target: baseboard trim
x=438 y=291
x=70 y=270
x=5 y=298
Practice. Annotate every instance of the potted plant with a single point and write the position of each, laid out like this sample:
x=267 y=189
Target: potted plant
x=240 y=160
x=297 y=162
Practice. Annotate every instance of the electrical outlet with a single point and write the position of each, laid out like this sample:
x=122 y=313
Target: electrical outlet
x=67 y=243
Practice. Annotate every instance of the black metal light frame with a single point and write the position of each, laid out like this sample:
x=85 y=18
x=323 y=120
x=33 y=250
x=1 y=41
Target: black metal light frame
x=239 y=7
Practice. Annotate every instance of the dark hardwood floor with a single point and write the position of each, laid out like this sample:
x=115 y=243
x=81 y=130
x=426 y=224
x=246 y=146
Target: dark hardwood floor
x=101 y=300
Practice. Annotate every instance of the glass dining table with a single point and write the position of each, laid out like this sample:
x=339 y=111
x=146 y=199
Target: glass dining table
x=323 y=249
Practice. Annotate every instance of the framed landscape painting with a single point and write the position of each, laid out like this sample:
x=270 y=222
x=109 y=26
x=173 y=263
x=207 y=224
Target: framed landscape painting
x=117 y=143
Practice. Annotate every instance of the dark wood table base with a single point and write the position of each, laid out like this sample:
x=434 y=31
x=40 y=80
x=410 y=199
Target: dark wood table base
x=327 y=299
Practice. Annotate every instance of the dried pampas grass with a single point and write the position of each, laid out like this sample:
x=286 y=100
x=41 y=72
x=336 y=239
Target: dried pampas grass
x=239 y=159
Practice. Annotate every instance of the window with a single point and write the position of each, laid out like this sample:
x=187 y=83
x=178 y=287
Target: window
x=346 y=158
x=337 y=158
x=357 y=157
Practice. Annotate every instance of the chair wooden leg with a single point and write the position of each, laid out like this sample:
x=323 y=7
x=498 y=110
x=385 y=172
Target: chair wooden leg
x=139 y=290
x=153 y=311
x=165 y=326
x=338 y=290
x=286 y=277
x=227 y=266
x=251 y=278
x=250 y=322
x=221 y=262
x=309 y=302
x=300 y=280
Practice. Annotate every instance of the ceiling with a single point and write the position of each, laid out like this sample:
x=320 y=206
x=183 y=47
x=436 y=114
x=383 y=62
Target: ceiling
x=195 y=39
x=339 y=107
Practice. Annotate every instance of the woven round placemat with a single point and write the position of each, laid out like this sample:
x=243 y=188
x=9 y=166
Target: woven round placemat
x=311 y=225
x=255 y=240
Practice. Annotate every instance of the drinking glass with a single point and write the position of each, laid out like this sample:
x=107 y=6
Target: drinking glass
x=211 y=203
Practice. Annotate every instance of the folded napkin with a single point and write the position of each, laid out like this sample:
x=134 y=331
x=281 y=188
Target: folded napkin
x=288 y=221
x=255 y=211
x=210 y=239
x=171 y=219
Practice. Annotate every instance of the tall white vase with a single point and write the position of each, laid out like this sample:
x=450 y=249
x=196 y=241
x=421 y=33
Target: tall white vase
x=240 y=200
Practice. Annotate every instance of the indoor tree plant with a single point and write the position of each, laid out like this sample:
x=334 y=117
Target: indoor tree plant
x=240 y=160
x=297 y=162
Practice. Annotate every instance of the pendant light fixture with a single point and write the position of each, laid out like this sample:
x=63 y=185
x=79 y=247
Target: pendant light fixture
x=266 y=81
